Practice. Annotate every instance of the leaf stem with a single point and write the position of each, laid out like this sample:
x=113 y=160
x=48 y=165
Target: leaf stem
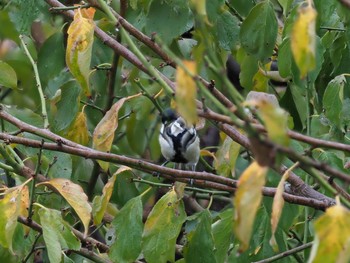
x=38 y=83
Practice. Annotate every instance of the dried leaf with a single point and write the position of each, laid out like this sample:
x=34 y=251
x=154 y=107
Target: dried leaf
x=103 y=136
x=79 y=46
x=75 y=196
x=247 y=201
x=303 y=40
x=186 y=92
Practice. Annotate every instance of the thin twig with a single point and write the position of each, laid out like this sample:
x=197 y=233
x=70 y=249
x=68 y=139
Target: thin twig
x=286 y=253
x=38 y=83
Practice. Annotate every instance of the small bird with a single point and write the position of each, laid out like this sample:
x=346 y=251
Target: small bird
x=179 y=142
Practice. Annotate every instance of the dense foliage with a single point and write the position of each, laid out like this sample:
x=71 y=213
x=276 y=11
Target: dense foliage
x=82 y=89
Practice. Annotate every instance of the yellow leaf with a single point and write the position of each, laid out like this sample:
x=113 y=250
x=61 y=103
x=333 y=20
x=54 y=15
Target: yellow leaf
x=303 y=40
x=226 y=156
x=79 y=46
x=75 y=196
x=260 y=81
x=78 y=131
x=199 y=6
x=277 y=206
x=204 y=153
x=13 y=204
x=332 y=236
x=100 y=203
x=247 y=201
x=186 y=92
x=276 y=122
x=103 y=135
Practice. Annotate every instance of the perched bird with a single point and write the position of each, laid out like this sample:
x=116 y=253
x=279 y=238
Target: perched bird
x=179 y=142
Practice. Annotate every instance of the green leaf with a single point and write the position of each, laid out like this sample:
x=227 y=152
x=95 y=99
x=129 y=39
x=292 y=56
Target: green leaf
x=286 y=4
x=161 y=14
x=333 y=100
x=57 y=234
x=259 y=31
x=299 y=98
x=67 y=106
x=285 y=59
x=162 y=228
x=51 y=58
x=23 y=13
x=223 y=235
x=243 y=7
x=200 y=246
x=8 y=77
x=227 y=28
x=128 y=228
x=249 y=67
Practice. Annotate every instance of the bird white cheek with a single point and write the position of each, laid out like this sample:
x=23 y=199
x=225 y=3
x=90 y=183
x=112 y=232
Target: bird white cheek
x=192 y=152
x=166 y=148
